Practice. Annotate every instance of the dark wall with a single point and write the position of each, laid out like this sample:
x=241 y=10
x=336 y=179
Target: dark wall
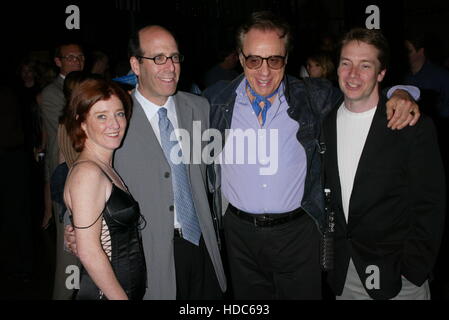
x=202 y=26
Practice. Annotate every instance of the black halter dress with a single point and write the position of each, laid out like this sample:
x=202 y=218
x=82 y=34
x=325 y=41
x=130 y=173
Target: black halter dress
x=122 y=243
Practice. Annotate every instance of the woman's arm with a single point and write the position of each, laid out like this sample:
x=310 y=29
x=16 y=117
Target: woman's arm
x=86 y=191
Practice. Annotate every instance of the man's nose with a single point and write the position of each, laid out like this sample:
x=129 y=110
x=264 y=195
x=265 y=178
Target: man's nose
x=170 y=64
x=353 y=72
x=264 y=68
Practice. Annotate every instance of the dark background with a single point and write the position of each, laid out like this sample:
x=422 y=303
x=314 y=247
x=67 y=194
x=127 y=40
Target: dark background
x=203 y=26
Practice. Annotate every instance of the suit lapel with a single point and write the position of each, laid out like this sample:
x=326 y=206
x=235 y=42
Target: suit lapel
x=60 y=82
x=376 y=136
x=184 y=113
x=146 y=133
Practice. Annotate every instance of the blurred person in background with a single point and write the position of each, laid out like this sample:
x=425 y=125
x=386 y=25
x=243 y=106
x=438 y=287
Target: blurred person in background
x=68 y=57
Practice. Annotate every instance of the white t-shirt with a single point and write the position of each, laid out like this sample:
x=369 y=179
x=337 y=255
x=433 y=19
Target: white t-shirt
x=352 y=131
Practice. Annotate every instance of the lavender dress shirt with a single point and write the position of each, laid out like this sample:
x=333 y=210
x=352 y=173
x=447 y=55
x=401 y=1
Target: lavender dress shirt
x=270 y=181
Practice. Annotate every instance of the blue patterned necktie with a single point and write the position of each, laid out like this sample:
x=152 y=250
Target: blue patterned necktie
x=182 y=191
x=257 y=102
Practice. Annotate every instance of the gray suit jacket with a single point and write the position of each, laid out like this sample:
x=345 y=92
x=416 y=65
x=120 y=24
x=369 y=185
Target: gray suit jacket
x=143 y=167
x=53 y=102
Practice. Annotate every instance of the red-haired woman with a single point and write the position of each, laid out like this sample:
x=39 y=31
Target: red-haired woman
x=105 y=216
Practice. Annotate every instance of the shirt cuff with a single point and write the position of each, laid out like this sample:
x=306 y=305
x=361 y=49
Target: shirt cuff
x=412 y=90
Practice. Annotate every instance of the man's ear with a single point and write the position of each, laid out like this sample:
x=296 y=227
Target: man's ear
x=381 y=75
x=242 y=60
x=58 y=62
x=134 y=62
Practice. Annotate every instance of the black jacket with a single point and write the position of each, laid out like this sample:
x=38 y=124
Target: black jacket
x=397 y=206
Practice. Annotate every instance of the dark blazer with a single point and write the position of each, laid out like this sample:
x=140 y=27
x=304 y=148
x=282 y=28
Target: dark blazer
x=53 y=102
x=397 y=206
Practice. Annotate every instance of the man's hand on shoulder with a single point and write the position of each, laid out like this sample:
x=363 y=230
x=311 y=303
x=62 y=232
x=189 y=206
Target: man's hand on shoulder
x=402 y=110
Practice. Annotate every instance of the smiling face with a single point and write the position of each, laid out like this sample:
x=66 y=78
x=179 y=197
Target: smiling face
x=263 y=80
x=105 y=124
x=157 y=82
x=359 y=75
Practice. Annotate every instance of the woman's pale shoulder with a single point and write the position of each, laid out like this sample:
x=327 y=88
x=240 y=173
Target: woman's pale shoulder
x=87 y=174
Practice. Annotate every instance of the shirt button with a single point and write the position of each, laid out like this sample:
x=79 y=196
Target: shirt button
x=172 y=208
x=167 y=175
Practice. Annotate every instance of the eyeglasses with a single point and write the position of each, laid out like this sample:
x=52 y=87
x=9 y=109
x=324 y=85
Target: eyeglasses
x=255 y=62
x=162 y=59
x=73 y=58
